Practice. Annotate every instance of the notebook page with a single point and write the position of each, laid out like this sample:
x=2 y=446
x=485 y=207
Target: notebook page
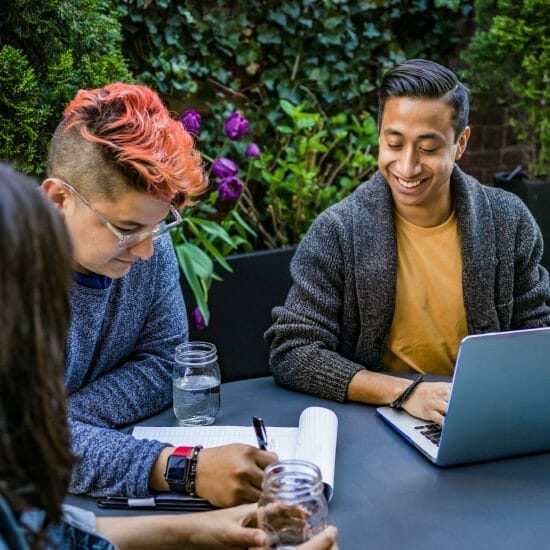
x=317 y=431
x=280 y=440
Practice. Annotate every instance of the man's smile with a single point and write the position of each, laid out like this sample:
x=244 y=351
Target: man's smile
x=409 y=183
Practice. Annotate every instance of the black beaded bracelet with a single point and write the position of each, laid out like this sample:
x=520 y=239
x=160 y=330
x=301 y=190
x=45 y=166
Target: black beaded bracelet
x=190 y=481
x=398 y=403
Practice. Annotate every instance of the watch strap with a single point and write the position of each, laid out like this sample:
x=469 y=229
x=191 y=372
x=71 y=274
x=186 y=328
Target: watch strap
x=192 y=472
x=183 y=451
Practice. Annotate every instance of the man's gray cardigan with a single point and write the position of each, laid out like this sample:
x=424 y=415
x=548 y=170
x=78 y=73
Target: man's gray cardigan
x=338 y=313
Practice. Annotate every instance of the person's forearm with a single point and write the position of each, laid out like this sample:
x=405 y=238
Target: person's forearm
x=375 y=388
x=111 y=462
x=229 y=528
x=143 y=388
x=428 y=401
x=225 y=476
x=145 y=531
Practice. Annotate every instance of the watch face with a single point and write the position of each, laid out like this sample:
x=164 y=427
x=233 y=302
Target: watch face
x=176 y=468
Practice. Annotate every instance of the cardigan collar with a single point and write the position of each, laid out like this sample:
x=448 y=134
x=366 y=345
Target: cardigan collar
x=374 y=231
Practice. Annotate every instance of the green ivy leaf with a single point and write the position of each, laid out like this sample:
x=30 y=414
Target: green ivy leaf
x=269 y=36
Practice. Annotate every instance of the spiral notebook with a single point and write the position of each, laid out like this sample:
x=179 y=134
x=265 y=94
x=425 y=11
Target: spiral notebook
x=314 y=439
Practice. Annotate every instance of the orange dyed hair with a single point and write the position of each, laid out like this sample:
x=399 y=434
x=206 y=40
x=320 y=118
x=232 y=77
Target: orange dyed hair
x=147 y=145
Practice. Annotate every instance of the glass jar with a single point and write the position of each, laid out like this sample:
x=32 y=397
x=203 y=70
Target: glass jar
x=196 y=383
x=292 y=507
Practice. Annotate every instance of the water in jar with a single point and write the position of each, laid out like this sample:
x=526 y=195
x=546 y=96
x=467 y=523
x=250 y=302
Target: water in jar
x=196 y=399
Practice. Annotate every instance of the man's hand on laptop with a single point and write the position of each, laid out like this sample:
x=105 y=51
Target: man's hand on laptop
x=429 y=401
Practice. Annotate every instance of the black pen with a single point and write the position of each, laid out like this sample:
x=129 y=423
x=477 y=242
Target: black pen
x=261 y=434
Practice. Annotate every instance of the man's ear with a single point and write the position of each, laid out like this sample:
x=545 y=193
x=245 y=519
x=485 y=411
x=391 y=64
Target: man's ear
x=462 y=142
x=56 y=192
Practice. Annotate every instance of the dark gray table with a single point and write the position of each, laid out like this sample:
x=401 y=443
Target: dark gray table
x=387 y=495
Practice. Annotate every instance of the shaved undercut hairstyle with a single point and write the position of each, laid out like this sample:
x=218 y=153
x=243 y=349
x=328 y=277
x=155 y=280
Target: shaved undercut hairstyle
x=423 y=79
x=122 y=136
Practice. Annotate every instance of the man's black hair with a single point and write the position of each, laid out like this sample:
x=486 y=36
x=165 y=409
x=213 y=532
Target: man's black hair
x=426 y=79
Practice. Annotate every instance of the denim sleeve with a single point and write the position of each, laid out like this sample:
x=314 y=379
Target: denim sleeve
x=77 y=532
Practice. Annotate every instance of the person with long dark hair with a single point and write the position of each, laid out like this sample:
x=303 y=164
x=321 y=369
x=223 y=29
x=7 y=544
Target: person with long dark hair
x=35 y=458
x=34 y=304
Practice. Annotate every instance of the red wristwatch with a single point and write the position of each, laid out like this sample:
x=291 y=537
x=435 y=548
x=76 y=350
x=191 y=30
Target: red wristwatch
x=177 y=469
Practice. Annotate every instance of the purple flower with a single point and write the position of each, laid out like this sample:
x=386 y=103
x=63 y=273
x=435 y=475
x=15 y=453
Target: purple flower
x=191 y=121
x=236 y=126
x=224 y=168
x=230 y=188
x=252 y=151
x=198 y=319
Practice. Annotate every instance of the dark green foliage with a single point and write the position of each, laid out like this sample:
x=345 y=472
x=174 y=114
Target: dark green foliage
x=509 y=61
x=304 y=73
x=324 y=58
x=317 y=162
x=21 y=113
x=263 y=51
x=48 y=50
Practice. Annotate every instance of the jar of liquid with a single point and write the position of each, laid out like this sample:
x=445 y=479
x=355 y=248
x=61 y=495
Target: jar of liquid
x=196 y=383
x=292 y=507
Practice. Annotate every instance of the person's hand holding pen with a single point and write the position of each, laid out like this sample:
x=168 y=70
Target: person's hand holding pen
x=226 y=475
x=232 y=474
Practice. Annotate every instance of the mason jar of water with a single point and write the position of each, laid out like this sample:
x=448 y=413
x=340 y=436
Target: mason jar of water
x=196 y=383
x=292 y=507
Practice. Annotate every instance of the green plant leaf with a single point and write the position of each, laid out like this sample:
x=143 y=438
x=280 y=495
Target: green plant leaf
x=201 y=263
x=288 y=108
x=285 y=129
x=243 y=224
x=211 y=228
x=184 y=254
x=209 y=246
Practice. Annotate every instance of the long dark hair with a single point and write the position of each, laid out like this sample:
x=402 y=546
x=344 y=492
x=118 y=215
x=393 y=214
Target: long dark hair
x=35 y=274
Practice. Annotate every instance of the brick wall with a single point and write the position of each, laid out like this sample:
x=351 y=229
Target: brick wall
x=492 y=146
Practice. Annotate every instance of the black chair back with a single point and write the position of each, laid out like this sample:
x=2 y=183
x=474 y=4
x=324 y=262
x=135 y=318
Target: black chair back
x=240 y=307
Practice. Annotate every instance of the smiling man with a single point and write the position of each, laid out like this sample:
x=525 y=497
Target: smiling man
x=119 y=169
x=394 y=276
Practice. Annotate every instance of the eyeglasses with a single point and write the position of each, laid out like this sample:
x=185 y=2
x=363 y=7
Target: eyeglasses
x=126 y=239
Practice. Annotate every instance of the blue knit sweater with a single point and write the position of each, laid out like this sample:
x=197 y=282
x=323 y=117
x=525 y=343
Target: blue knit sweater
x=120 y=353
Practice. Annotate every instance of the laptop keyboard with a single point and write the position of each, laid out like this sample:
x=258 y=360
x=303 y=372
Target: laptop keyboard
x=431 y=432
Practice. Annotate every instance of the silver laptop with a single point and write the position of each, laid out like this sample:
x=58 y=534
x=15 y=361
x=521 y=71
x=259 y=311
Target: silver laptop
x=499 y=404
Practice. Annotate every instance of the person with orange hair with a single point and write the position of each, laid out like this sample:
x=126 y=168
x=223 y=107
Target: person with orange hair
x=35 y=459
x=119 y=169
